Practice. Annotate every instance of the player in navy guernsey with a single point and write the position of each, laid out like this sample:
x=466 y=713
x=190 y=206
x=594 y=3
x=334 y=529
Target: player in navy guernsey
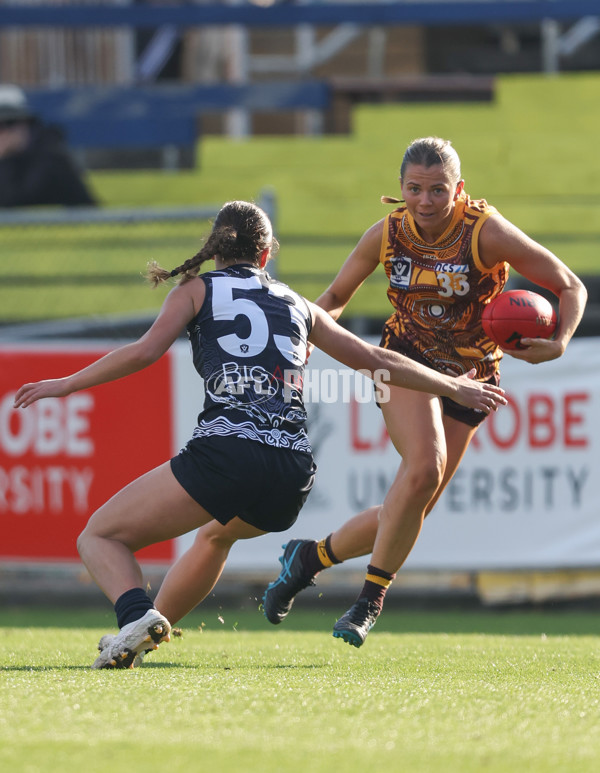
x=253 y=382
x=248 y=468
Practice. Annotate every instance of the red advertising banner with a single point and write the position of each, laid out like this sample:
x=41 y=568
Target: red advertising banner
x=60 y=459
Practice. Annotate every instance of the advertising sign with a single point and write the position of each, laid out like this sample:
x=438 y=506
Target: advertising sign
x=525 y=496
x=60 y=459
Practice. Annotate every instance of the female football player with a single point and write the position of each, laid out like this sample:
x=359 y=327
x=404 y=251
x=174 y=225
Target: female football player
x=446 y=256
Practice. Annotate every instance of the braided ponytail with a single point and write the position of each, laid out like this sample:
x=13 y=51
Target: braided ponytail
x=156 y=275
x=241 y=233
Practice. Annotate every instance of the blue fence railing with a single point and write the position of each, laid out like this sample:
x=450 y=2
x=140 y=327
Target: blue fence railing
x=452 y=12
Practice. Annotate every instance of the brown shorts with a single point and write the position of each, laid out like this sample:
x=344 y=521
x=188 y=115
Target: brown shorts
x=450 y=408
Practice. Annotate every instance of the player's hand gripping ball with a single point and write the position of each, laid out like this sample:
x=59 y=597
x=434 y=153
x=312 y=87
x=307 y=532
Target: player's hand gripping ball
x=516 y=314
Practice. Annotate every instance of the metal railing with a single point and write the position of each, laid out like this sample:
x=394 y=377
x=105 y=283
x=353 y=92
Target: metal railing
x=45 y=253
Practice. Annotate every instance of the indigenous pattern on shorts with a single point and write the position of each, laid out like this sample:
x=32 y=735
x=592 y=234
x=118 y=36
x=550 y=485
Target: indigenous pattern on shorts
x=249 y=344
x=439 y=290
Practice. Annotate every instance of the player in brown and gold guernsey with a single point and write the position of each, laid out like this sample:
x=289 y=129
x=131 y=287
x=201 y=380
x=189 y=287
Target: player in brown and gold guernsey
x=446 y=256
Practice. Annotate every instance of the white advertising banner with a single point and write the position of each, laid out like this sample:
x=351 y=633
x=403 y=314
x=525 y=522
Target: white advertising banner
x=526 y=496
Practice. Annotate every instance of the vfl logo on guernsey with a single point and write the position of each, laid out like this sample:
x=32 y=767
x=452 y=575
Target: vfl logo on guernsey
x=400 y=273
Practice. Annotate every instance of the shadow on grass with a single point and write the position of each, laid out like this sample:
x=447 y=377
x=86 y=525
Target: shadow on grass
x=42 y=669
x=62 y=667
x=169 y=665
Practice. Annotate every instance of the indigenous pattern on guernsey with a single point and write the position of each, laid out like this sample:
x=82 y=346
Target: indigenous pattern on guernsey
x=439 y=290
x=249 y=345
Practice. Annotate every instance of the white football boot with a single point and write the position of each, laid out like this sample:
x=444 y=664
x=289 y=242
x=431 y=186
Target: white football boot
x=127 y=648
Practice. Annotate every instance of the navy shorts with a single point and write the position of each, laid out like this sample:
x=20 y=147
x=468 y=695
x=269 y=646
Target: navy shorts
x=470 y=416
x=229 y=476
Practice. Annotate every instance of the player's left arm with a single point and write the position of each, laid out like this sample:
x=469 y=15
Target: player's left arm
x=500 y=240
x=178 y=309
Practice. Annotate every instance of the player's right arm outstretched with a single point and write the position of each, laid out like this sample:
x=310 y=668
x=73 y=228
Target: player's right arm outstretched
x=403 y=372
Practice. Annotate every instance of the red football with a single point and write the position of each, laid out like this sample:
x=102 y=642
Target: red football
x=516 y=314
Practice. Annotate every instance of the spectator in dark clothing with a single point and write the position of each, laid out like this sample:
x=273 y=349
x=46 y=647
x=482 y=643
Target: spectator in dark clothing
x=35 y=164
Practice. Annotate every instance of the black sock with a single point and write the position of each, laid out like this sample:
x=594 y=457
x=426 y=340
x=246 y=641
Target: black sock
x=376 y=584
x=132 y=605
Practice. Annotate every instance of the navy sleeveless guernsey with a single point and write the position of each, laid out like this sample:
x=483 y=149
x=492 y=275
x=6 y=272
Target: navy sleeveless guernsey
x=249 y=344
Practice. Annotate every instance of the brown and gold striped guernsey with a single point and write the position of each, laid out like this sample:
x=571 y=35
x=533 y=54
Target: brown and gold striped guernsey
x=439 y=290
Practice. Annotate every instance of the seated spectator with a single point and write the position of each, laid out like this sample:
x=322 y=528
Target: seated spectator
x=35 y=164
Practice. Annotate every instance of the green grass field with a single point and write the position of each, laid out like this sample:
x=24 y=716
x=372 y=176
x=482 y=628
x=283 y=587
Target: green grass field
x=531 y=152
x=456 y=692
